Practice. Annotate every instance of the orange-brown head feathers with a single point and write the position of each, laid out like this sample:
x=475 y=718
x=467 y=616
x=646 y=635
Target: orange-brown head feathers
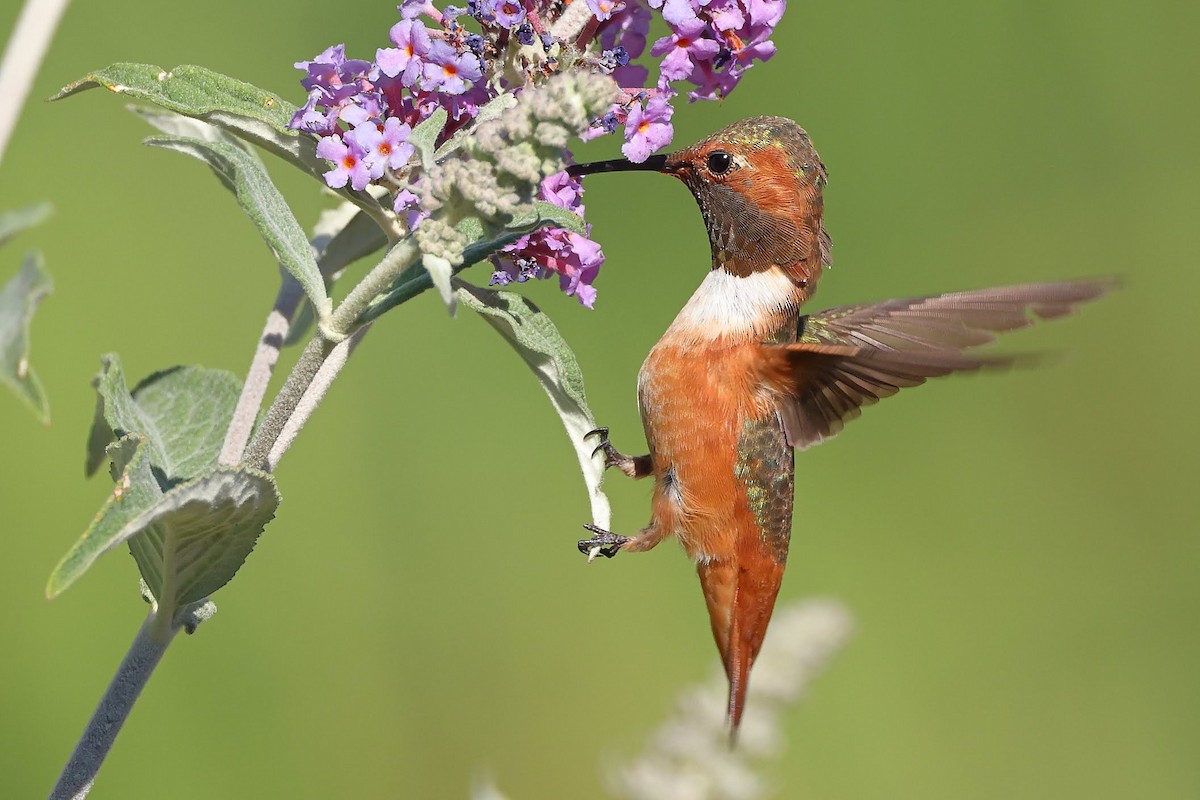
x=758 y=183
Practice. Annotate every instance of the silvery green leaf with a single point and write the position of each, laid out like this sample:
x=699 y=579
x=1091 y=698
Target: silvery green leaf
x=544 y=213
x=13 y=222
x=425 y=134
x=202 y=531
x=174 y=124
x=440 y=270
x=244 y=175
x=489 y=110
x=252 y=113
x=341 y=236
x=134 y=491
x=19 y=298
x=417 y=279
x=187 y=542
x=183 y=412
x=542 y=347
x=471 y=228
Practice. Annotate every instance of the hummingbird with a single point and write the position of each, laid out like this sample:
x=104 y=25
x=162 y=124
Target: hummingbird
x=742 y=379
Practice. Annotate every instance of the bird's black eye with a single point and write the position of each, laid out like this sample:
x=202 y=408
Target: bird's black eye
x=719 y=162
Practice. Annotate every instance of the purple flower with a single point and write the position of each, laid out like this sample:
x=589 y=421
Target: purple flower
x=449 y=71
x=628 y=28
x=678 y=11
x=347 y=157
x=575 y=259
x=332 y=71
x=411 y=9
x=766 y=13
x=686 y=46
x=507 y=13
x=648 y=129
x=386 y=147
x=603 y=9
x=408 y=205
x=727 y=17
x=563 y=190
x=552 y=251
x=404 y=60
x=712 y=84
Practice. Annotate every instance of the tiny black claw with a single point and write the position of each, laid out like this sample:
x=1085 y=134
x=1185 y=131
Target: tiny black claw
x=612 y=456
x=604 y=445
x=609 y=543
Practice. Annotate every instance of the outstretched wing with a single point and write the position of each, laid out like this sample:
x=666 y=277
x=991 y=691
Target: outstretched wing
x=848 y=357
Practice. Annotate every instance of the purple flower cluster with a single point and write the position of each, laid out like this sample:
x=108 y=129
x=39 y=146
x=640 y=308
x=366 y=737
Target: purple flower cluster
x=553 y=251
x=712 y=44
x=364 y=111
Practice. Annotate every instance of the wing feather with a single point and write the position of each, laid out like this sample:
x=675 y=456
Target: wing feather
x=852 y=356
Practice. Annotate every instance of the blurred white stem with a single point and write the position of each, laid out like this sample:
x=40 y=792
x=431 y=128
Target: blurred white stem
x=258 y=377
x=573 y=19
x=138 y=665
x=689 y=757
x=22 y=56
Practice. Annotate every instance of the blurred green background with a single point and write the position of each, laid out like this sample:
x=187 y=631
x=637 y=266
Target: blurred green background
x=1019 y=551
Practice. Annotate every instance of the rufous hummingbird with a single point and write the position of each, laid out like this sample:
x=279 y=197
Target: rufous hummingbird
x=740 y=380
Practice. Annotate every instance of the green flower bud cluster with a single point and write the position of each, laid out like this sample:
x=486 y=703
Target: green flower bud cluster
x=497 y=172
x=438 y=238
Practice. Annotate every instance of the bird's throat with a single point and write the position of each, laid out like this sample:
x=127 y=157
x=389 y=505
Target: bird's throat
x=759 y=306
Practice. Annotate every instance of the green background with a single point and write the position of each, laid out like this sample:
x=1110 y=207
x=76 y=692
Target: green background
x=1019 y=551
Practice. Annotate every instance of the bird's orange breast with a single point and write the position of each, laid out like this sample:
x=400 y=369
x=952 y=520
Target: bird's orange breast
x=695 y=401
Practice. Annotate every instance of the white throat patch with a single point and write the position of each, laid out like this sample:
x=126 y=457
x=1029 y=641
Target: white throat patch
x=726 y=305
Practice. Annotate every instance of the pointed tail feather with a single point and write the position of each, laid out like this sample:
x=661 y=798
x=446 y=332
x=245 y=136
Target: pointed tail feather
x=740 y=597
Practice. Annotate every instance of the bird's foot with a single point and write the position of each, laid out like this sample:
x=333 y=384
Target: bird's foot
x=612 y=456
x=631 y=466
x=604 y=543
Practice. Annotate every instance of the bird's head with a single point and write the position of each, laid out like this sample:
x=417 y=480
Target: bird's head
x=758 y=183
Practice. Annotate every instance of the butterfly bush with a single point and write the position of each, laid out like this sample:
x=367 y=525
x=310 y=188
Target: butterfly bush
x=459 y=59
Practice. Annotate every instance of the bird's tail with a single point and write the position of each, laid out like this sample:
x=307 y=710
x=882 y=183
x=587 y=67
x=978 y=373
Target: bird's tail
x=740 y=597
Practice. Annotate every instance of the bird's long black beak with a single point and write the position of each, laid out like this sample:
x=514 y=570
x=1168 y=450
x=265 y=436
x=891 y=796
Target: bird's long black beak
x=655 y=163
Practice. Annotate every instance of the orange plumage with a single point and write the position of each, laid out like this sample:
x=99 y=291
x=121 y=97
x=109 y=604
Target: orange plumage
x=740 y=379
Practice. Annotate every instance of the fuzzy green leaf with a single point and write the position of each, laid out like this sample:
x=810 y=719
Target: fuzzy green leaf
x=183 y=412
x=190 y=90
x=134 y=491
x=416 y=280
x=440 y=270
x=425 y=134
x=245 y=177
x=544 y=213
x=19 y=298
x=13 y=222
x=488 y=111
x=341 y=236
x=174 y=124
x=187 y=542
x=251 y=113
x=246 y=110
x=199 y=533
x=542 y=347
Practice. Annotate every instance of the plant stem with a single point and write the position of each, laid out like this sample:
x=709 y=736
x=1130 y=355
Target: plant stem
x=285 y=403
x=345 y=318
x=573 y=20
x=102 y=729
x=313 y=396
x=349 y=312
x=22 y=56
x=262 y=366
